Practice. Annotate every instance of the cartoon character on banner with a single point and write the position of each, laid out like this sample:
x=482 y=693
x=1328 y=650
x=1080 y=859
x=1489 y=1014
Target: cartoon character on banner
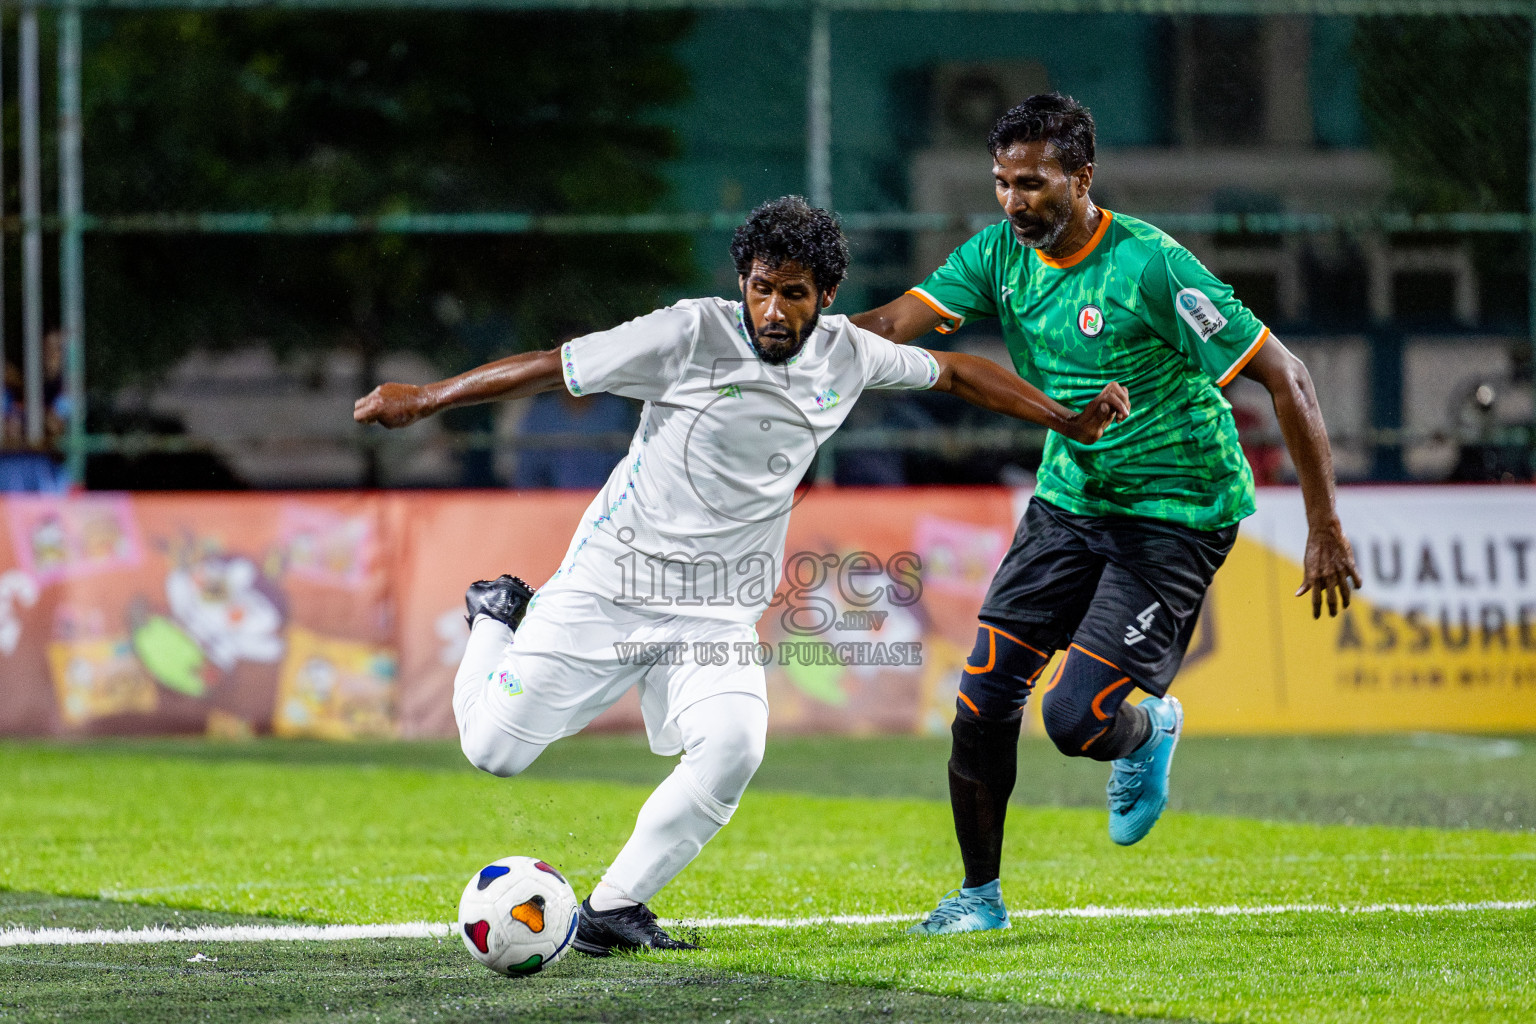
x=50 y=545
x=95 y=672
x=64 y=538
x=452 y=637
x=223 y=610
x=17 y=590
x=878 y=630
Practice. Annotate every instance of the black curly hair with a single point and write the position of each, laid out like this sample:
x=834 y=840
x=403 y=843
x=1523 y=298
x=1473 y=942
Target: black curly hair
x=792 y=230
x=1060 y=120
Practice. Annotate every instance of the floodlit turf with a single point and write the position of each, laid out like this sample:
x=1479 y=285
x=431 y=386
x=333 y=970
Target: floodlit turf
x=1394 y=967
x=413 y=981
x=336 y=836
x=1443 y=781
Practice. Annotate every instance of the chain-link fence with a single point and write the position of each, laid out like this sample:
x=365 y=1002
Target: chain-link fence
x=275 y=207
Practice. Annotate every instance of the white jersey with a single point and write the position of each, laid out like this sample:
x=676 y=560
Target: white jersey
x=693 y=520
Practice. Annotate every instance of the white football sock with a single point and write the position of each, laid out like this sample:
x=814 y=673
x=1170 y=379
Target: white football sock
x=606 y=897
x=723 y=744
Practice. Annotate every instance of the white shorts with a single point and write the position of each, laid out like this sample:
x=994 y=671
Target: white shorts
x=565 y=666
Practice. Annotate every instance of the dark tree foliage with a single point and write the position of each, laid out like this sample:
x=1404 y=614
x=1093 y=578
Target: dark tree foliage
x=1447 y=98
x=368 y=113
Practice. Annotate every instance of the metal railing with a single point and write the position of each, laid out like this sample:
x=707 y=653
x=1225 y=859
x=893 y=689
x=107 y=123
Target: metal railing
x=72 y=221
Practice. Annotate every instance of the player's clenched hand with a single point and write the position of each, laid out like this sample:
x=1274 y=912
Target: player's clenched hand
x=392 y=405
x=1112 y=405
x=1330 y=568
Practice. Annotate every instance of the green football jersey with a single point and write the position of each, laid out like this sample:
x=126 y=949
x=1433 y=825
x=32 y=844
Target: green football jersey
x=1131 y=306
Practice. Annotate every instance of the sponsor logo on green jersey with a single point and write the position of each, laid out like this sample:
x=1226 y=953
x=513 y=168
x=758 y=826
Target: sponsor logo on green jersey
x=1090 y=320
x=1200 y=313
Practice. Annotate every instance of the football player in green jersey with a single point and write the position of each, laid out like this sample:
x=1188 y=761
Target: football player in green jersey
x=1118 y=546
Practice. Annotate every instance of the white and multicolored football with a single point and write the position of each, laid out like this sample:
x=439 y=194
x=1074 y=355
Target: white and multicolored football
x=518 y=915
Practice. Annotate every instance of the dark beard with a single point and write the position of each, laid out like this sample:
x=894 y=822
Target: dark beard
x=776 y=349
x=1055 y=222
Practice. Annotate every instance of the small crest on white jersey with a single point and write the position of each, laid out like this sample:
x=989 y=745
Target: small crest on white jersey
x=827 y=399
x=1200 y=313
x=508 y=682
x=1090 y=320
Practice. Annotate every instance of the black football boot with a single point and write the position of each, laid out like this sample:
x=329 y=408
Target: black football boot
x=504 y=599
x=599 y=934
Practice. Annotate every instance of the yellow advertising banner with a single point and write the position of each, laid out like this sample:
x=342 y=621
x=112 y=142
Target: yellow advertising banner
x=1441 y=638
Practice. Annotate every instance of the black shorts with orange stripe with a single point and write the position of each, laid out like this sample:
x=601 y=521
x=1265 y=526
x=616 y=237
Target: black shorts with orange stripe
x=1127 y=589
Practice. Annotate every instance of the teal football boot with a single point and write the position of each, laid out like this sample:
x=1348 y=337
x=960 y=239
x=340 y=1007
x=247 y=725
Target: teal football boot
x=966 y=910
x=1138 y=784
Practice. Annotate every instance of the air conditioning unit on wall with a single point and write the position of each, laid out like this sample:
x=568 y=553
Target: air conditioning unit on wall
x=969 y=97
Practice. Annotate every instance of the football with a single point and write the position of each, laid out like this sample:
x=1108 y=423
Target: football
x=518 y=915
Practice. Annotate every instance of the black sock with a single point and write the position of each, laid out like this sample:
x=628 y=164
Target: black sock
x=983 y=765
x=1132 y=728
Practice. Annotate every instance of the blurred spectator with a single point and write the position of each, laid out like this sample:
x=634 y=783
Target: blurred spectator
x=23 y=467
x=12 y=428
x=878 y=467
x=1489 y=450
x=574 y=464
x=55 y=399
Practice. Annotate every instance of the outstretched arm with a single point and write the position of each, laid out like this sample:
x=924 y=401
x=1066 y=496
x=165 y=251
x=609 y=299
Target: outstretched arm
x=1330 y=564
x=904 y=319
x=982 y=382
x=400 y=405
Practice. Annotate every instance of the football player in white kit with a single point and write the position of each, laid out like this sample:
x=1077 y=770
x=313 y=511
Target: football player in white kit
x=683 y=545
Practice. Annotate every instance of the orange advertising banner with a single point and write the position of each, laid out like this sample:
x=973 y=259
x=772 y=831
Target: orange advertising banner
x=160 y=613
x=899 y=572
x=442 y=544
x=342 y=616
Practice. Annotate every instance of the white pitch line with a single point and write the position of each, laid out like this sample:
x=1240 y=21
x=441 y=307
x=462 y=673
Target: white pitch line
x=1133 y=912
x=434 y=930
x=230 y=933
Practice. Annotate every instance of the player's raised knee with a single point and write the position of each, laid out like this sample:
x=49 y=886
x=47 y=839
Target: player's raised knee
x=488 y=759
x=742 y=742
x=726 y=735
x=999 y=675
x=494 y=751
x=1081 y=709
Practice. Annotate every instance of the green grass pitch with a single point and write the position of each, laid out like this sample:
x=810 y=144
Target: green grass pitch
x=129 y=834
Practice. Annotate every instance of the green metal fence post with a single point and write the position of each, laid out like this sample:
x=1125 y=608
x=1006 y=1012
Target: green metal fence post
x=818 y=100
x=71 y=266
x=28 y=93
x=1530 y=200
x=2 y=181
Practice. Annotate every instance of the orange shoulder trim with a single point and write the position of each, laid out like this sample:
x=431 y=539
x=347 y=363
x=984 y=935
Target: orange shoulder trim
x=938 y=307
x=1242 y=360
